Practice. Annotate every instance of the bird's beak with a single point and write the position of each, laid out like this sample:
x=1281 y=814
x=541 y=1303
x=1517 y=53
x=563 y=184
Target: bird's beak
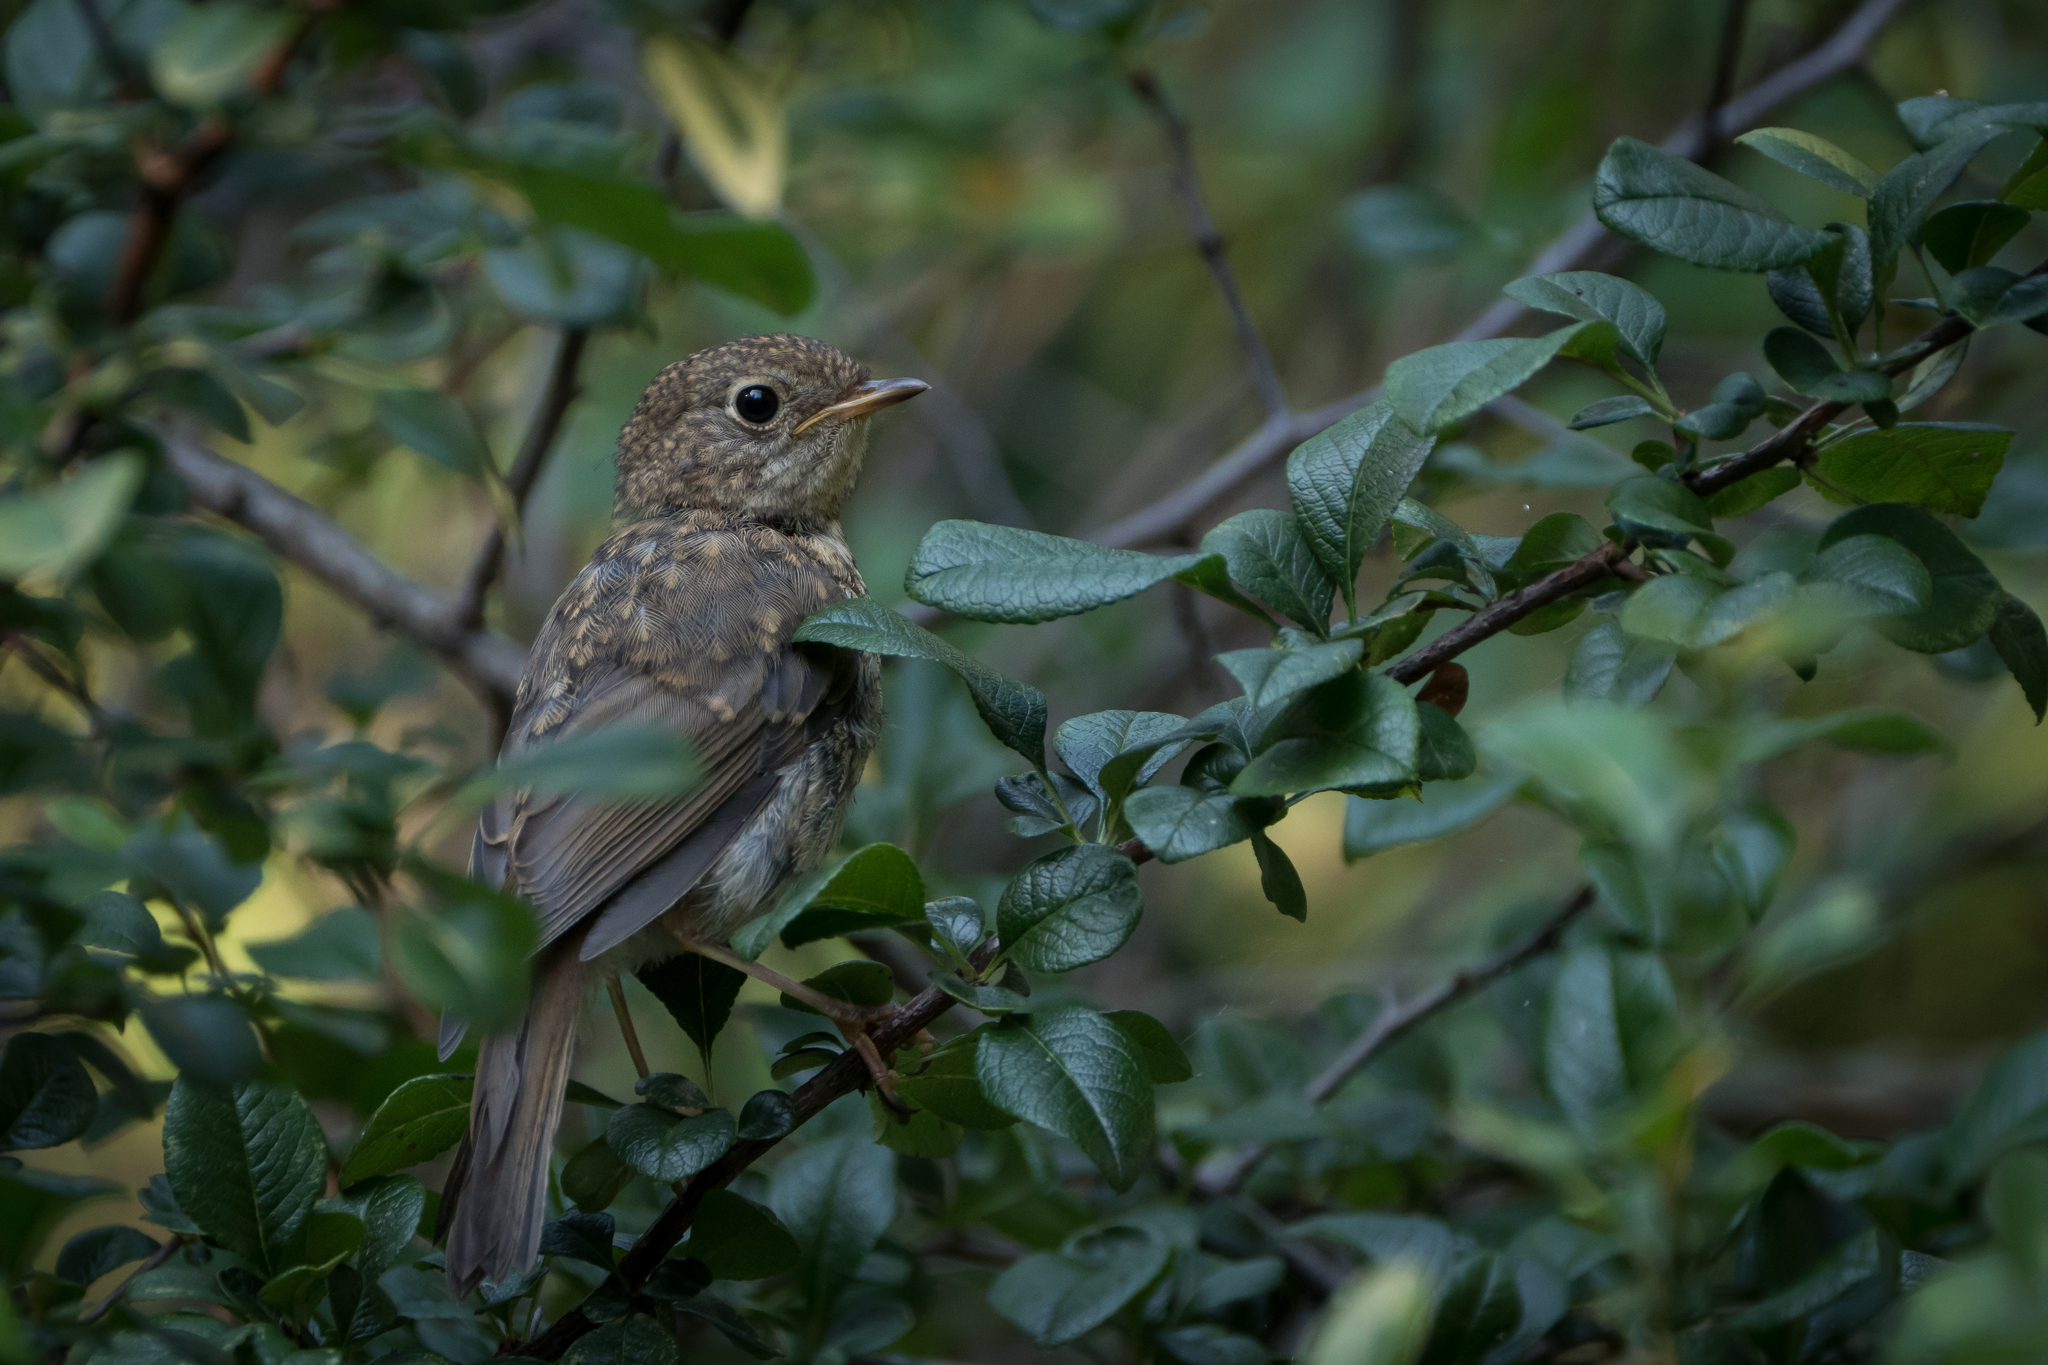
x=861 y=399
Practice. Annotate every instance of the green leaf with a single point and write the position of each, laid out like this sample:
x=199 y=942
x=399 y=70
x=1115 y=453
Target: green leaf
x=2020 y=640
x=1443 y=751
x=1608 y=664
x=949 y=1084
x=1271 y=675
x=1813 y=157
x=208 y=1038
x=1436 y=810
x=1736 y=401
x=836 y=1199
x=1433 y=388
x=417 y=1122
x=626 y=761
x=757 y=260
x=585 y=1237
x=1694 y=613
x=54 y=530
x=1899 y=203
x=1483 y=1310
x=767 y=1116
x=1619 y=769
x=669 y=1090
x=2027 y=188
x=1178 y=823
x=627 y=1341
x=1379 y=1318
x=697 y=992
x=1359 y=730
x=437 y=426
x=1073 y=906
x=341 y=945
x=1267 y=554
x=204 y=59
x=1990 y=296
x=1606 y=412
x=1003 y=573
x=246 y=1165
x=1344 y=482
x=1279 y=882
x=1075 y=1073
x=1013 y=711
x=1964 y=236
x=566 y=276
x=46 y=1097
x=739 y=1239
x=1752 y=494
x=1803 y=362
x=1165 y=1062
x=877 y=887
x=101 y=1251
x=1684 y=210
x=468 y=958
x=390 y=1208
x=1591 y=296
x=1839 y=1273
x=957 y=922
x=1868 y=729
x=1400 y=222
x=1557 y=540
x=858 y=981
x=1965 y=597
x=1871 y=576
x=1057 y=1297
x=1658 y=506
x=1088 y=743
x=2009 y=1107
x=665 y=1145
x=594 y=1177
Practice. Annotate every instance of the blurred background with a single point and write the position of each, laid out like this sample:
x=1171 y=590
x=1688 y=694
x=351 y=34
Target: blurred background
x=989 y=206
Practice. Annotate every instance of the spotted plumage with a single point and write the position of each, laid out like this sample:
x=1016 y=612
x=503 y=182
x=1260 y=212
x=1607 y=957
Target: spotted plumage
x=731 y=475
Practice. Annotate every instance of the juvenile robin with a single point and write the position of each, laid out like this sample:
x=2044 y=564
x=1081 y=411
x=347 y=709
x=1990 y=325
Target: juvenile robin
x=731 y=476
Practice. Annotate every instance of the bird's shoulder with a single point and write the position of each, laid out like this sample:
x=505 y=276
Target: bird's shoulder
x=697 y=605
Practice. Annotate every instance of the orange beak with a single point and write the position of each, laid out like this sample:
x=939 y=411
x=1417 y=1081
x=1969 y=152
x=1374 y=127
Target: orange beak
x=862 y=399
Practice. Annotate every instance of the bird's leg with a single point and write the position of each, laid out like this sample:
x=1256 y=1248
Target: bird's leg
x=618 y=994
x=853 y=1021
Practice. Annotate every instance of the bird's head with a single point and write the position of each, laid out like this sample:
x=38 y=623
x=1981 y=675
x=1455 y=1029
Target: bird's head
x=767 y=426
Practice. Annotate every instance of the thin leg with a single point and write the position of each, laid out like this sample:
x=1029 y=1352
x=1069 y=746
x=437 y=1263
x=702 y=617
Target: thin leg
x=618 y=994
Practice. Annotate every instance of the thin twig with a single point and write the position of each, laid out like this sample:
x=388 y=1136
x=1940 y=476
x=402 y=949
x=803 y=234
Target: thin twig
x=156 y=1259
x=562 y=390
x=1395 y=1023
x=1187 y=183
x=1279 y=433
x=842 y=1076
x=625 y=1017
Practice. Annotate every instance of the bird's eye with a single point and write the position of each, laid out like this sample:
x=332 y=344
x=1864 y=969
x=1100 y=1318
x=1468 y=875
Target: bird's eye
x=756 y=403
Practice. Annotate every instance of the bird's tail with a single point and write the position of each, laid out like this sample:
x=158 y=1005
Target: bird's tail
x=496 y=1195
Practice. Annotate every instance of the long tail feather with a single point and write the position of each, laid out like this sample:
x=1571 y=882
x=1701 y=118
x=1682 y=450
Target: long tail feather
x=496 y=1196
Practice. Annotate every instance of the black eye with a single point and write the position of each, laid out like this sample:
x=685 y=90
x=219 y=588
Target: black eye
x=756 y=403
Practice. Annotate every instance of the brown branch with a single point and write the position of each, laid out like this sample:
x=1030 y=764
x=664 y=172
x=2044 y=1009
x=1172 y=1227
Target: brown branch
x=1792 y=442
x=1281 y=432
x=1393 y=1024
x=304 y=535
x=168 y=178
x=841 y=1077
x=1187 y=184
x=562 y=390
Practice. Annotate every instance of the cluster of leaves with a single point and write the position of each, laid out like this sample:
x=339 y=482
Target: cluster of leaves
x=1202 y=1230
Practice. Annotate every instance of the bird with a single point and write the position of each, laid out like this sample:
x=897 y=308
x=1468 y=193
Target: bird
x=730 y=478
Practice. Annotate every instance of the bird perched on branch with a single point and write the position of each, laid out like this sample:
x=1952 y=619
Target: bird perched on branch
x=731 y=475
